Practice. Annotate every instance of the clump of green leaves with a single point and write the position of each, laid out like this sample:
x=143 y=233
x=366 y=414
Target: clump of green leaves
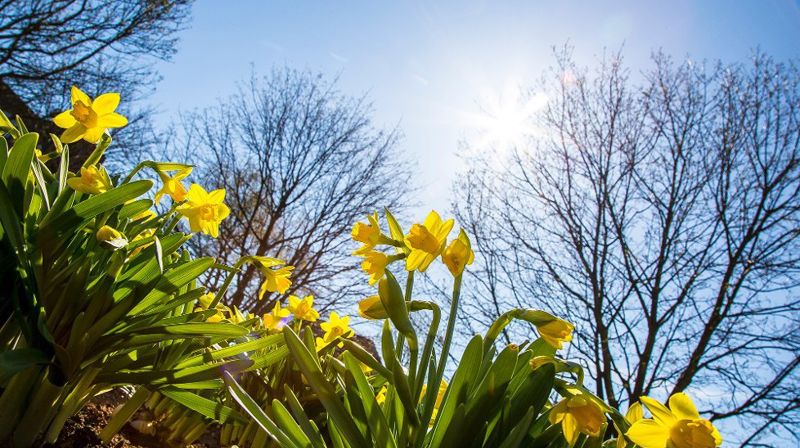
x=494 y=398
x=98 y=292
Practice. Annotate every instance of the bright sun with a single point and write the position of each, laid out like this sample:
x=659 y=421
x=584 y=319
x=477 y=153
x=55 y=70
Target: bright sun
x=506 y=118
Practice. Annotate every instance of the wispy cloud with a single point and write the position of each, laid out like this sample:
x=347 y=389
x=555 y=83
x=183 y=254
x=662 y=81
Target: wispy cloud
x=338 y=57
x=420 y=79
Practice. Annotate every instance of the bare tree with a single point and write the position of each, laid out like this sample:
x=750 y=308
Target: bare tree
x=663 y=217
x=48 y=45
x=301 y=163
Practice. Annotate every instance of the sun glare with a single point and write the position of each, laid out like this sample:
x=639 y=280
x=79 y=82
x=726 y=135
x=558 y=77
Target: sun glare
x=505 y=120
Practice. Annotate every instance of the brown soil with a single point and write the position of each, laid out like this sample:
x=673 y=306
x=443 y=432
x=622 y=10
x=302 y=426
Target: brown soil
x=83 y=428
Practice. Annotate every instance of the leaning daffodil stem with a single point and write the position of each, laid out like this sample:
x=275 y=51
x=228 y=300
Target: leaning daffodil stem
x=411 y=339
x=497 y=326
x=170 y=226
x=133 y=172
x=448 y=335
x=430 y=398
x=428 y=348
x=227 y=283
x=409 y=287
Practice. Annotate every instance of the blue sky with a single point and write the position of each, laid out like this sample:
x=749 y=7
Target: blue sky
x=433 y=67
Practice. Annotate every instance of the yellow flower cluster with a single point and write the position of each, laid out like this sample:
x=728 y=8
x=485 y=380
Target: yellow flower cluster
x=234 y=315
x=298 y=309
x=89 y=119
x=423 y=244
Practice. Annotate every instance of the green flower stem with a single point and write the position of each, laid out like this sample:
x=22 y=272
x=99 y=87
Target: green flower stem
x=428 y=348
x=497 y=326
x=411 y=339
x=451 y=325
x=133 y=172
x=448 y=338
x=172 y=223
x=430 y=401
x=409 y=286
x=222 y=290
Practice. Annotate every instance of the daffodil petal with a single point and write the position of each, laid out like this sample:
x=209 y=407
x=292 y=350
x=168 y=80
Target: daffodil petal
x=415 y=259
x=197 y=194
x=93 y=135
x=224 y=211
x=106 y=103
x=445 y=229
x=112 y=120
x=73 y=134
x=78 y=95
x=216 y=196
x=717 y=436
x=649 y=434
x=681 y=405
x=432 y=219
x=634 y=413
x=660 y=412
x=569 y=425
x=65 y=119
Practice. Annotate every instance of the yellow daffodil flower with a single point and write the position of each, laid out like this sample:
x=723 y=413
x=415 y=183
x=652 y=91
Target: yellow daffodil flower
x=204 y=210
x=237 y=316
x=439 y=397
x=319 y=344
x=92 y=180
x=172 y=186
x=336 y=327
x=146 y=233
x=374 y=264
x=427 y=241
x=275 y=318
x=206 y=299
x=40 y=156
x=111 y=237
x=275 y=280
x=368 y=234
x=204 y=303
x=577 y=414
x=633 y=415
x=364 y=368
x=372 y=308
x=556 y=332
x=303 y=309
x=381 y=396
x=458 y=254
x=679 y=426
x=89 y=119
